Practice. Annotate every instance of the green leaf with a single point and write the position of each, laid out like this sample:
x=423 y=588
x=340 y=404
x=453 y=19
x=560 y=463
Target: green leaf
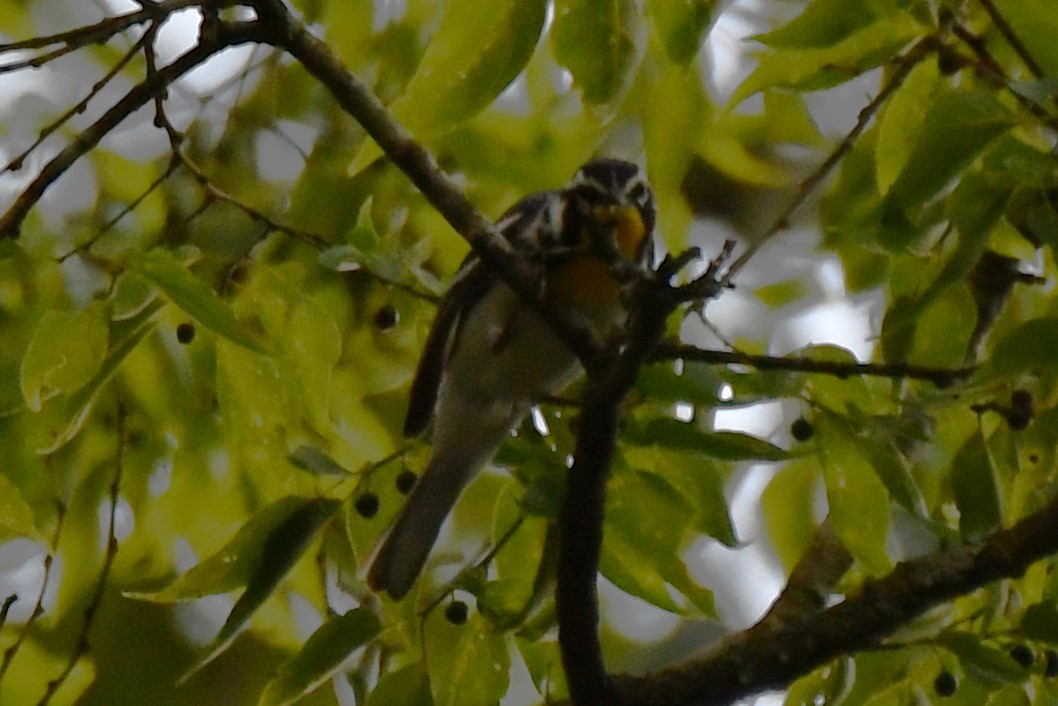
x=322 y=656
x=544 y=661
x=695 y=384
x=1028 y=348
x=194 y=297
x=976 y=489
x=682 y=25
x=599 y=42
x=815 y=68
x=408 y=687
x=858 y=500
x=239 y=560
x=902 y=121
x=779 y=294
x=784 y=502
x=958 y=127
x=278 y=552
x=824 y=23
x=986 y=662
x=647 y=523
x=722 y=445
x=895 y=472
x=480 y=47
x=130 y=332
x=16 y=516
x=702 y=483
x=1036 y=26
x=66 y=351
x=524 y=567
x=479 y=672
x=1040 y=622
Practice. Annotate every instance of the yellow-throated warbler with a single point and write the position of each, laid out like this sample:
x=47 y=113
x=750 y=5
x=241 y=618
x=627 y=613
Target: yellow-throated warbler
x=489 y=356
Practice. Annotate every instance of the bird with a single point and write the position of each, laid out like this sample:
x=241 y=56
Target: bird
x=489 y=356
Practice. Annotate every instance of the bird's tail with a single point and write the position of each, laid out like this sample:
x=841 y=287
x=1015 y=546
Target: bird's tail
x=400 y=559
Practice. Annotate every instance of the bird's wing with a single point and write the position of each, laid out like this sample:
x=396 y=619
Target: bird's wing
x=472 y=281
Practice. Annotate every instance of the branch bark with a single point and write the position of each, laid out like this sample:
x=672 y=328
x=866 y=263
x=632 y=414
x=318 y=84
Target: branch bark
x=776 y=651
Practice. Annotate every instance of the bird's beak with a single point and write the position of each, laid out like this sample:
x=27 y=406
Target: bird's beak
x=628 y=227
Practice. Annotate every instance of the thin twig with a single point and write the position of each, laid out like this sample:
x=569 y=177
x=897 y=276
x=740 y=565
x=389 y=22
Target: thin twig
x=81 y=648
x=38 y=605
x=17 y=162
x=991 y=70
x=136 y=98
x=903 y=66
x=104 y=30
x=6 y=608
x=1012 y=38
x=942 y=377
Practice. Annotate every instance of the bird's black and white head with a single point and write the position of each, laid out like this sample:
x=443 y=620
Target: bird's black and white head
x=612 y=196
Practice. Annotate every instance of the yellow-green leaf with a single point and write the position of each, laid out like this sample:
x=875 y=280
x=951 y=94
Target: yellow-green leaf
x=682 y=25
x=480 y=47
x=957 y=128
x=66 y=351
x=194 y=297
x=599 y=42
x=278 y=551
x=322 y=656
x=858 y=500
x=237 y=561
x=16 y=516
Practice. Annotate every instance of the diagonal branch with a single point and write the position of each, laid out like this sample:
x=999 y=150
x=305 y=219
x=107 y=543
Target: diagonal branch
x=282 y=30
x=903 y=66
x=775 y=652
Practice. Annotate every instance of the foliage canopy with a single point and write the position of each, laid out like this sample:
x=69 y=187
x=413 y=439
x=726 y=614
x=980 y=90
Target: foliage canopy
x=210 y=320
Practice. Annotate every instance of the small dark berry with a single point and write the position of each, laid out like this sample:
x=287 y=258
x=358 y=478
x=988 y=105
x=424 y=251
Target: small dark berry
x=1023 y=655
x=367 y=505
x=185 y=332
x=1021 y=399
x=802 y=429
x=406 y=481
x=945 y=684
x=456 y=613
x=1020 y=413
x=386 y=317
x=1050 y=668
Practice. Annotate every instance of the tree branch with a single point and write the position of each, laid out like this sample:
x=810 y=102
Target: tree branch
x=137 y=97
x=1012 y=38
x=775 y=652
x=903 y=66
x=283 y=31
x=942 y=377
x=583 y=506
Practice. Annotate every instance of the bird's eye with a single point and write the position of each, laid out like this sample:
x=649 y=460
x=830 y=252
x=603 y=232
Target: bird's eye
x=638 y=193
x=591 y=196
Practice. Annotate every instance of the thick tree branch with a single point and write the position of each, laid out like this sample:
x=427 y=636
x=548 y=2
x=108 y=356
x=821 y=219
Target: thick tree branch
x=823 y=564
x=583 y=505
x=775 y=652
